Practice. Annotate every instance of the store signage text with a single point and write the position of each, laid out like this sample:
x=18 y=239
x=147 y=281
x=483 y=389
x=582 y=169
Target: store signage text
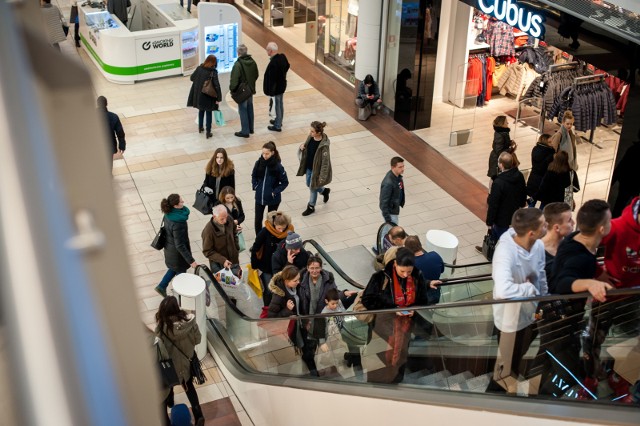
x=508 y=11
x=158 y=44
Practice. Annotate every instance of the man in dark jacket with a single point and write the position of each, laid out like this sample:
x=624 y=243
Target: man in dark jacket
x=219 y=240
x=508 y=194
x=114 y=126
x=392 y=191
x=275 y=82
x=244 y=70
x=290 y=253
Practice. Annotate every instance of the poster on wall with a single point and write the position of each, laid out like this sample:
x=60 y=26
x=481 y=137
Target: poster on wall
x=222 y=41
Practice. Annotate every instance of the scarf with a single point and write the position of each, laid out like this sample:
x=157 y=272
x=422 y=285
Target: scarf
x=566 y=145
x=264 y=165
x=273 y=231
x=401 y=324
x=178 y=215
x=501 y=129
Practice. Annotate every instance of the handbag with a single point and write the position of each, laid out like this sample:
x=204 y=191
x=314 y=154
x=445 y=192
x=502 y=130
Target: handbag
x=358 y=306
x=167 y=370
x=569 y=190
x=243 y=91
x=242 y=245
x=488 y=246
x=208 y=88
x=65 y=29
x=202 y=202
x=195 y=366
x=217 y=115
x=160 y=240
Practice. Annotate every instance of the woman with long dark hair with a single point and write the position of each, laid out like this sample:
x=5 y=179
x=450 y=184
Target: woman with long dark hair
x=315 y=163
x=179 y=333
x=501 y=142
x=203 y=102
x=233 y=204
x=541 y=156
x=558 y=178
x=268 y=180
x=220 y=172
x=177 y=249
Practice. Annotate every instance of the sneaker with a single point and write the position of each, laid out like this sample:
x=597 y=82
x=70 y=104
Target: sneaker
x=161 y=291
x=325 y=194
x=274 y=129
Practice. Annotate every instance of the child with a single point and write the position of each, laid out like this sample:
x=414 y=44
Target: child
x=334 y=324
x=354 y=333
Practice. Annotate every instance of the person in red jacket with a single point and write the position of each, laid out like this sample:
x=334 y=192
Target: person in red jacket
x=622 y=264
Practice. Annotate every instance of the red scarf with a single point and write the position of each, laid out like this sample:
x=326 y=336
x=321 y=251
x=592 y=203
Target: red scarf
x=399 y=340
x=403 y=298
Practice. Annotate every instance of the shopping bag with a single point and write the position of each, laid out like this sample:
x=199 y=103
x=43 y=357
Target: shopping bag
x=253 y=280
x=217 y=115
x=364 y=113
x=242 y=245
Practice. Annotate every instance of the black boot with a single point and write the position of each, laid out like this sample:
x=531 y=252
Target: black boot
x=325 y=194
x=310 y=209
x=197 y=414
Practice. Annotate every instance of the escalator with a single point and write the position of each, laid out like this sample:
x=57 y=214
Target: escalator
x=451 y=366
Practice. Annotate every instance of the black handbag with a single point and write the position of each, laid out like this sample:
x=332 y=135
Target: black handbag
x=203 y=202
x=243 y=91
x=167 y=370
x=208 y=88
x=195 y=366
x=488 y=246
x=160 y=240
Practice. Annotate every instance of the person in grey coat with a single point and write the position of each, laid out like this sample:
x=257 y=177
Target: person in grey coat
x=177 y=250
x=392 y=191
x=53 y=21
x=203 y=102
x=179 y=333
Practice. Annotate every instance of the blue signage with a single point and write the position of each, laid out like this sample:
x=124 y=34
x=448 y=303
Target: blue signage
x=517 y=16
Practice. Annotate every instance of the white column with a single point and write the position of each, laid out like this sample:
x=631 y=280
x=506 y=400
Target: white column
x=369 y=30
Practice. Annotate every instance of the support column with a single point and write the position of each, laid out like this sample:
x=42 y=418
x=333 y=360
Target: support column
x=369 y=30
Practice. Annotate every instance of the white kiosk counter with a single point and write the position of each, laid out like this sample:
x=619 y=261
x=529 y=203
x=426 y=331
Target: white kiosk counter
x=162 y=40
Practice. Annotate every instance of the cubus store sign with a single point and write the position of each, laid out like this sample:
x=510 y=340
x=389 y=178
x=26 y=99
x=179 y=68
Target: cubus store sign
x=517 y=16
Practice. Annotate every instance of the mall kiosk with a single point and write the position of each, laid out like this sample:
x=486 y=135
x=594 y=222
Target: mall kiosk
x=160 y=40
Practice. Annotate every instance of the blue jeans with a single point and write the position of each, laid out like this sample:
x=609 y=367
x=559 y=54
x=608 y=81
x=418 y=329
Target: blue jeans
x=394 y=218
x=201 y=115
x=279 y=104
x=245 y=109
x=188 y=10
x=314 y=192
x=168 y=276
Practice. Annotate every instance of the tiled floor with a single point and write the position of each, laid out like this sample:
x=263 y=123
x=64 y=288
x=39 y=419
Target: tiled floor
x=165 y=154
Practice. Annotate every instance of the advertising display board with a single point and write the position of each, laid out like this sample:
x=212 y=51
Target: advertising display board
x=158 y=53
x=222 y=41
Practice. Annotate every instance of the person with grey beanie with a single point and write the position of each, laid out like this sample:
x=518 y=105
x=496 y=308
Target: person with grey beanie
x=290 y=252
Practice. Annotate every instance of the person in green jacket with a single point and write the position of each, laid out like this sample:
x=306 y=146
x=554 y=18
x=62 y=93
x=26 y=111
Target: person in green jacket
x=315 y=163
x=244 y=70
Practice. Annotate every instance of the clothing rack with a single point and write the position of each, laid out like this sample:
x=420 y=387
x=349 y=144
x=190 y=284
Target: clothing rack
x=588 y=79
x=555 y=68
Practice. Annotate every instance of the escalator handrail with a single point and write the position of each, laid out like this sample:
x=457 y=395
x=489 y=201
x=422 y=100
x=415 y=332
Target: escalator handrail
x=632 y=291
x=465 y=280
x=333 y=264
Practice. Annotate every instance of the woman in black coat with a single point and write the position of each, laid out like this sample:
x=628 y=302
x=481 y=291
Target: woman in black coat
x=205 y=103
x=556 y=180
x=541 y=157
x=501 y=143
x=177 y=249
x=268 y=180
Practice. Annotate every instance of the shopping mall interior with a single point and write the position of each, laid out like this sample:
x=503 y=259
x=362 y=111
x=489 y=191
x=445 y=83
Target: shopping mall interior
x=75 y=352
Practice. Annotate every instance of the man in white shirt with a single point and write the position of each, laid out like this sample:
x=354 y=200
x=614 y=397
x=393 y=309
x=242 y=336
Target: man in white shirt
x=518 y=271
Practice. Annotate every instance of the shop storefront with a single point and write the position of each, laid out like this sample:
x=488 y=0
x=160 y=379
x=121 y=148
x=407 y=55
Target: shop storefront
x=451 y=67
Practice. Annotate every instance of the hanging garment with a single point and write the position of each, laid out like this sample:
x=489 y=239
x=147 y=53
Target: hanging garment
x=474 y=77
x=491 y=67
x=500 y=38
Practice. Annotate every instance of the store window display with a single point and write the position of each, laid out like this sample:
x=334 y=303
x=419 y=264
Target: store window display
x=338 y=36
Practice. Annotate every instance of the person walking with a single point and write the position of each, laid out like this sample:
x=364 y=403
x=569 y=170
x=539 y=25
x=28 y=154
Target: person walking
x=177 y=249
x=392 y=191
x=565 y=139
x=541 y=157
x=204 y=103
x=244 y=70
x=220 y=172
x=115 y=129
x=315 y=163
x=268 y=180
x=53 y=21
x=275 y=83
x=74 y=19
x=179 y=333
x=501 y=143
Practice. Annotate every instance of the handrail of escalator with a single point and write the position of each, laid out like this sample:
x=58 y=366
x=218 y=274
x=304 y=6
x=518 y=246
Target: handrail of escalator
x=632 y=291
x=333 y=264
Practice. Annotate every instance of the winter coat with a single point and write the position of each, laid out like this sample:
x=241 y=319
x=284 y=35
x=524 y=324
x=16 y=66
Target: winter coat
x=115 y=131
x=541 y=157
x=363 y=91
x=269 y=182
x=177 y=249
x=280 y=297
x=210 y=182
x=556 y=140
x=266 y=244
x=237 y=212
x=185 y=336
x=508 y=194
x=501 y=143
x=621 y=248
x=199 y=100
x=250 y=75
x=391 y=195
x=517 y=273
x=318 y=326
x=321 y=174
x=374 y=297
x=220 y=245
x=279 y=259
x=573 y=262
x=553 y=185
x=53 y=23
x=275 y=76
